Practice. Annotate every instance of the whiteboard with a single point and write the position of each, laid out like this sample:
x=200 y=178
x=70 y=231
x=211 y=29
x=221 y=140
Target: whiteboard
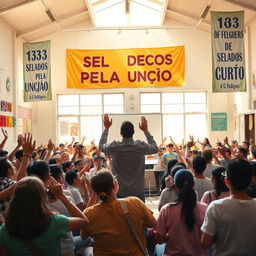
x=154 y=126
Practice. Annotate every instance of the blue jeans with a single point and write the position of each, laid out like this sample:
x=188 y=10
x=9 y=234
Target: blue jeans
x=159 y=250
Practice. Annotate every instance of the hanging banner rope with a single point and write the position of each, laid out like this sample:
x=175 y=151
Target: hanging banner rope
x=152 y=67
x=37 y=71
x=228 y=60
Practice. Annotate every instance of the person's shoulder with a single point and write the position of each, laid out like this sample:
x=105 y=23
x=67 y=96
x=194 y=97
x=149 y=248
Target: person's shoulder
x=202 y=205
x=59 y=217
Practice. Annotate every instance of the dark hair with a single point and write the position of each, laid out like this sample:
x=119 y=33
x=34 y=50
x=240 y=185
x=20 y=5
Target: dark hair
x=207 y=142
x=56 y=171
x=246 y=143
x=3 y=152
x=239 y=173
x=170 y=145
x=102 y=183
x=34 y=155
x=127 y=129
x=243 y=151
x=254 y=152
x=39 y=168
x=187 y=196
x=42 y=151
x=4 y=166
x=61 y=145
x=66 y=165
x=70 y=176
x=80 y=146
x=220 y=185
x=78 y=161
x=196 y=152
x=52 y=161
x=175 y=169
x=19 y=154
x=170 y=165
x=219 y=144
x=182 y=164
x=207 y=154
x=253 y=168
x=199 y=164
x=28 y=214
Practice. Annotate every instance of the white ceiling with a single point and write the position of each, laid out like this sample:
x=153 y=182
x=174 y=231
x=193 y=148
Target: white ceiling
x=30 y=20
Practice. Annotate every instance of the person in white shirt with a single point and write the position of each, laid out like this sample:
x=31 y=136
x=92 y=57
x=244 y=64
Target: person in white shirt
x=230 y=222
x=202 y=183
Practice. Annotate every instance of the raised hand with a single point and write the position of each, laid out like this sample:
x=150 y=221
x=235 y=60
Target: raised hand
x=143 y=124
x=28 y=146
x=55 y=187
x=20 y=140
x=226 y=140
x=50 y=145
x=5 y=133
x=107 y=122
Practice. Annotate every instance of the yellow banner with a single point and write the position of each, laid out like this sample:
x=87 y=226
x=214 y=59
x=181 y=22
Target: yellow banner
x=151 y=67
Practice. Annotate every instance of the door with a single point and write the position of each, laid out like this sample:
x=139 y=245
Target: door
x=249 y=128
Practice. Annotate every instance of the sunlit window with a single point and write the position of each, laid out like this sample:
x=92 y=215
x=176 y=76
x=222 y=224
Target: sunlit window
x=81 y=115
x=127 y=12
x=183 y=114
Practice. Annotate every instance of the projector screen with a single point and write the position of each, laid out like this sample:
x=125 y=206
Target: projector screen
x=154 y=126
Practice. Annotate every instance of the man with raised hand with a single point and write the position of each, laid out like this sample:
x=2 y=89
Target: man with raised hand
x=128 y=156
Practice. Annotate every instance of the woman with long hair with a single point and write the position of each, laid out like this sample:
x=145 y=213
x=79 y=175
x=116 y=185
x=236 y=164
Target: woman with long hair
x=30 y=227
x=107 y=222
x=220 y=190
x=179 y=223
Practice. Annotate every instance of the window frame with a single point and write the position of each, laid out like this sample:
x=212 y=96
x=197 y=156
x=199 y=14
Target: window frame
x=183 y=113
x=79 y=116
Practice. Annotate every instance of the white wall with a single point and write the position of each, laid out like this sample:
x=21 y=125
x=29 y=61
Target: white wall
x=244 y=101
x=6 y=70
x=198 y=70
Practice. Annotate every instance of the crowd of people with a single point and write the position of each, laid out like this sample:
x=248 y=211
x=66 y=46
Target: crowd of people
x=60 y=200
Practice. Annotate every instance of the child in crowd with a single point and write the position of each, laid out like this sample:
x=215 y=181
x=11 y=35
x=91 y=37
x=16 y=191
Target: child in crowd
x=169 y=194
x=202 y=184
x=230 y=222
x=42 y=230
x=179 y=223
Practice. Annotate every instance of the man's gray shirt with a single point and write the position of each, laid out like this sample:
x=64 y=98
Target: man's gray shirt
x=128 y=161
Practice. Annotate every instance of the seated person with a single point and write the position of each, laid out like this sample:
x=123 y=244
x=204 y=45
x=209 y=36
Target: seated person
x=107 y=224
x=230 y=222
x=179 y=223
x=220 y=190
x=169 y=194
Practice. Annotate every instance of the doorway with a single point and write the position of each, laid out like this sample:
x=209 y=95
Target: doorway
x=249 y=127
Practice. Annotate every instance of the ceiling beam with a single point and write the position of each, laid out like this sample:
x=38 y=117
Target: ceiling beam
x=171 y=13
x=46 y=25
x=156 y=2
x=91 y=12
x=243 y=5
x=15 y=5
x=163 y=12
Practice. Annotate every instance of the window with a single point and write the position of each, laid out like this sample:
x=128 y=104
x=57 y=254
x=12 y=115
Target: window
x=183 y=113
x=81 y=115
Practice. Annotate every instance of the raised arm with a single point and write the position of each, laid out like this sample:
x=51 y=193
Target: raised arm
x=79 y=219
x=103 y=140
x=28 y=148
x=5 y=138
x=151 y=146
x=50 y=147
x=19 y=144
